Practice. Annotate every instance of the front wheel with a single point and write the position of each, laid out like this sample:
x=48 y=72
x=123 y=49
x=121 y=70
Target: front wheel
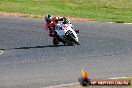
x=74 y=40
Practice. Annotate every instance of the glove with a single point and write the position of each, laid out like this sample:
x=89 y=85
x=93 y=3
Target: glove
x=66 y=21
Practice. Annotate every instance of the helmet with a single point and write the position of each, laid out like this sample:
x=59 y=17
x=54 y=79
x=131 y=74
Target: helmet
x=48 y=18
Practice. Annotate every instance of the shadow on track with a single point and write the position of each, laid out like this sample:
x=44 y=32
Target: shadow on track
x=34 y=47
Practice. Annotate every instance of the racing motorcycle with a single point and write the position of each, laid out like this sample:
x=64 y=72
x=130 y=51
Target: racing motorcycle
x=66 y=34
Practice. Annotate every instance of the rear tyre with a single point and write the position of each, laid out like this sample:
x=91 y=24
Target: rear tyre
x=55 y=41
x=71 y=44
x=64 y=43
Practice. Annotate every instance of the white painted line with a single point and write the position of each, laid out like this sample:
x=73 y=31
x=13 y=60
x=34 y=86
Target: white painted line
x=127 y=23
x=121 y=23
x=1 y=52
x=62 y=85
x=110 y=22
x=120 y=78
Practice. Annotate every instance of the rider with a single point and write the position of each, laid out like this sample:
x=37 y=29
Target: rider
x=51 y=21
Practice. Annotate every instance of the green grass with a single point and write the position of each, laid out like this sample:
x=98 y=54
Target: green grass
x=102 y=10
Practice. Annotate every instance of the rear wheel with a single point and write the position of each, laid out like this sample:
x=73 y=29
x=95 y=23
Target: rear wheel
x=64 y=43
x=55 y=41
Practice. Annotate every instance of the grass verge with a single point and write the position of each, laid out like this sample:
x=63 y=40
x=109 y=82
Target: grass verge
x=102 y=10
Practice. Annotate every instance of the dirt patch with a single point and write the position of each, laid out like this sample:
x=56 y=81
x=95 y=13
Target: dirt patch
x=41 y=16
x=81 y=19
x=18 y=14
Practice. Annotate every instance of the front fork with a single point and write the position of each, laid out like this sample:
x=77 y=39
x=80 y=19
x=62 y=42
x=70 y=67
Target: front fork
x=76 y=30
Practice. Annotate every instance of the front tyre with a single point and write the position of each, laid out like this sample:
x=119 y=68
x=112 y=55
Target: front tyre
x=74 y=40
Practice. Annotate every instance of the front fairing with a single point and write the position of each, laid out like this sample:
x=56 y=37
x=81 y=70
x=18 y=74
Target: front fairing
x=62 y=29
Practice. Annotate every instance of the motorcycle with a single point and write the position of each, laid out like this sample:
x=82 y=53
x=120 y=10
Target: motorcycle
x=66 y=34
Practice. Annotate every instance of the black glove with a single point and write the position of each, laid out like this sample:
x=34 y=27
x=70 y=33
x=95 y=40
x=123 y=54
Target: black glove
x=65 y=21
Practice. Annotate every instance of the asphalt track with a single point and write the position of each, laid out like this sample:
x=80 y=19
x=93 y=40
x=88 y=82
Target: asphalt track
x=30 y=61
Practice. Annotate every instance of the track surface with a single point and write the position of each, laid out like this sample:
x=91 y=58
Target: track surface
x=30 y=61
